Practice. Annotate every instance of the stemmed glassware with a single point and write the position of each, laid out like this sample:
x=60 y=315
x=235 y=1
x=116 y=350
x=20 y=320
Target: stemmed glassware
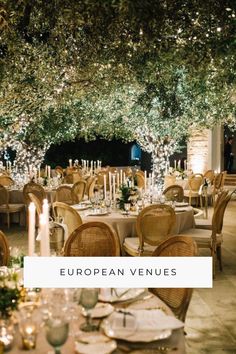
x=57 y=330
x=127 y=208
x=88 y=299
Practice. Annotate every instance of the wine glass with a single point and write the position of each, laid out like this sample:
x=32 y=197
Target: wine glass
x=57 y=330
x=88 y=299
x=127 y=208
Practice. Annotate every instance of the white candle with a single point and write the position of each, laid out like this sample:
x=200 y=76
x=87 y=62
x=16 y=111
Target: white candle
x=185 y=165
x=9 y=166
x=49 y=172
x=31 y=230
x=95 y=165
x=46 y=171
x=105 y=186
x=45 y=234
x=175 y=164
x=124 y=178
x=145 y=180
x=114 y=187
x=109 y=176
x=121 y=182
x=70 y=162
x=91 y=166
x=118 y=180
x=179 y=164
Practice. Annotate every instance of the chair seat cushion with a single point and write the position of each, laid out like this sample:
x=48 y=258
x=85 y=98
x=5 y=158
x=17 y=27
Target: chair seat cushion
x=131 y=246
x=203 y=224
x=202 y=237
x=12 y=208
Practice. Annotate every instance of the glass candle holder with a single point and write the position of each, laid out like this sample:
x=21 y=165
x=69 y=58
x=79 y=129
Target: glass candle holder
x=28 y=331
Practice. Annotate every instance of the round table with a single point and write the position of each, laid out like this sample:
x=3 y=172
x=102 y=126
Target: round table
x=175 y=343
x=125 y=226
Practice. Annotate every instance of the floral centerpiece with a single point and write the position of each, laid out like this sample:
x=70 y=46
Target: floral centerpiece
x=10 y=293
x=128 y=195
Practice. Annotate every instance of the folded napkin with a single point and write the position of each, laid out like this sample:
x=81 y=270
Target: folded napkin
x=106 y=294
x=145 y=320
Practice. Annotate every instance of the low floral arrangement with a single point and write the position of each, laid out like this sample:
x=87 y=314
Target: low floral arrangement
x=10 y=292
x=178 y=172
x=128 y=195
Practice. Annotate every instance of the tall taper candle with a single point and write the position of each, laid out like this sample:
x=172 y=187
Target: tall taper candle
x=46 y=236
x=105 y=186
x=114 y=187
x=31 y=230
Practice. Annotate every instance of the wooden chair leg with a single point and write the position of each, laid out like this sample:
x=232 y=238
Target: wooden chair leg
x=218 y=252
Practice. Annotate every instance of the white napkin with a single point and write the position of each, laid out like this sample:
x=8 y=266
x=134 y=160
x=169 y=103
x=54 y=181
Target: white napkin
x=106 y=294
x=155 y=319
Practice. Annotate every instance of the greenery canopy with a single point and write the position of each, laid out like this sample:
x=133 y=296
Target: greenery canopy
x=72 y=68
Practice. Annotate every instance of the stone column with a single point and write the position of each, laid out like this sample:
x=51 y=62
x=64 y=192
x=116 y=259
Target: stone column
x=204 y=150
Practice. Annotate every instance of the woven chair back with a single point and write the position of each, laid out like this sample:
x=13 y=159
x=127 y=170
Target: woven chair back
x=174 y=193
x=76 y=176
x=100 y=178
x=35 y=189
x=195 y=182
x=64 y=194
x=69 y=216
x=155 y=223
x=210 y=175
x=222 y=183
x=4 y=196
x=139 y=179
x=37 y=203
x=4 y=250
x=93 y=239
x=218 y=215
x=177 y=299
x=78 y=191
x=218 y=181
x=59 y=171
x=6 y=181
x=91 y=188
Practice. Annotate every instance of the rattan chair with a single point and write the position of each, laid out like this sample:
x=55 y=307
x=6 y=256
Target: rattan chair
x=4 y=250
x=64 y=194
x=35 y=189
x=174 y=193
x=217 y=186
x=195 y=182
x=207 y=223
x=59 y=171
x=69 y=215
x=91 y=188
x=211 y=239
x=177 y=299
x=93 y=239
x=78 y=191
x=37 y=203
x=9 y=208
x=210 y=175
x=154 y=224
x=6 y=181
x=139 y=179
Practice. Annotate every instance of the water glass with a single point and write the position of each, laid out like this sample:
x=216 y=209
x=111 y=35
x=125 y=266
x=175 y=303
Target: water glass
x=127 y=208
x=88 y=299
x=57 y=330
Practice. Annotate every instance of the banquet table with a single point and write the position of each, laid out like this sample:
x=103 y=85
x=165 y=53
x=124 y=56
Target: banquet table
x=174 y=344
x=125 y=226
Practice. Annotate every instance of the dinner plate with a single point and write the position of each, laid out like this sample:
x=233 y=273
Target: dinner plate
x=98 y=214
x=100 y=310
x=91 y=343
x=119 y=294
x=135 y=332
x=81 y=207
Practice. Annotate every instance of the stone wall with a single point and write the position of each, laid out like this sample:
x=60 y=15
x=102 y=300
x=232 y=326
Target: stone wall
x=199 y=151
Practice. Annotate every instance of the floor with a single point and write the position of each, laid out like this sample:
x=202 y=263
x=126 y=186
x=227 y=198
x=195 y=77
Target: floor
x=211 y=318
